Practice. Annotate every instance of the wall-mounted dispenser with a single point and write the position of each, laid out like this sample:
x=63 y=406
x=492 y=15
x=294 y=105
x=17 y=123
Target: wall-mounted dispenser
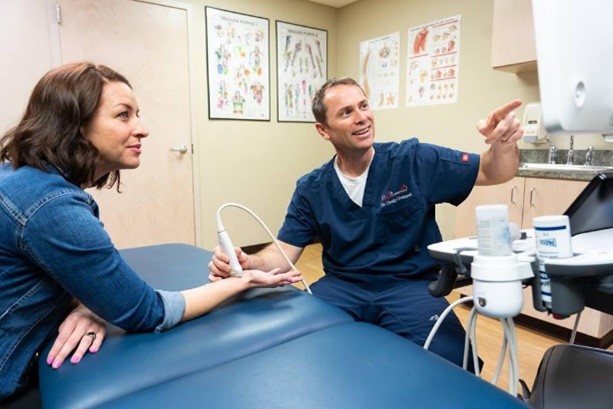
x=534 y=130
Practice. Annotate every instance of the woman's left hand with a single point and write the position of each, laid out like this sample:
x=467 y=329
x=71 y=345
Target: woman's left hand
x=81 y=329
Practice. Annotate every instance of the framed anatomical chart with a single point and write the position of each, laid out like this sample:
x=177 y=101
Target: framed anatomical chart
x=302 y=67
x=238 y=65
x=433 y=63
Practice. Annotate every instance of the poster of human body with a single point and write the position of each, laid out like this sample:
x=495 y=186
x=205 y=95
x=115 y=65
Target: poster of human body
x=379 y=71
x=302 y=67
x=238 y=65
x=433 y=63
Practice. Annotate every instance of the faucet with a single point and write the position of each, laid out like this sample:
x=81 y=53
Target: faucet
x=553 y=153
x=569 y=157
x=589 y=156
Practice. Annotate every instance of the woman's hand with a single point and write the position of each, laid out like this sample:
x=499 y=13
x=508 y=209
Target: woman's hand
x=272 y=278
x=81 y=329
x=200 y=300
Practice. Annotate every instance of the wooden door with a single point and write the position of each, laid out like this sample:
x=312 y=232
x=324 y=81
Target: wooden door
x=510 y=193
x=148 y=43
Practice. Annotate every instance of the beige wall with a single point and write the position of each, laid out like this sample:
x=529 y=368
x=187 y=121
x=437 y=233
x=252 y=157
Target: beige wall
x=252 y=163
x=256 y=163
x=481 y=88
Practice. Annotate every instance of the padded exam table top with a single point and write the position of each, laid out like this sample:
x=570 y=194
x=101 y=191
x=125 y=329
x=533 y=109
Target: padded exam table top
x=269 y=348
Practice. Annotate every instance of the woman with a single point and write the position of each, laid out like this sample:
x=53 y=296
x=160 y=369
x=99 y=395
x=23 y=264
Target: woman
x=81 y=126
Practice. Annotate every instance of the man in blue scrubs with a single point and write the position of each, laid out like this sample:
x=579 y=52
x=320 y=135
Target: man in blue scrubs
x=372 y=208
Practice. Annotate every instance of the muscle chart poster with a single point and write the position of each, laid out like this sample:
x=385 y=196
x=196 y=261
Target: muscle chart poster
x=302 y=67
x=380 y=71
x=433 y=63
x=238 y=65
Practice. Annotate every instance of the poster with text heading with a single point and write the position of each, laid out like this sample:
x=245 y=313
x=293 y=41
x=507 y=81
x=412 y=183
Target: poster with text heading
x=379 y=71
x=433 y=63
x=238 y=65
x=302 y=68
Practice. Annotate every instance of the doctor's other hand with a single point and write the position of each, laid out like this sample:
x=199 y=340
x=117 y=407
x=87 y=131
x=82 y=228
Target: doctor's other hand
x=219 y=266
x=502 y=125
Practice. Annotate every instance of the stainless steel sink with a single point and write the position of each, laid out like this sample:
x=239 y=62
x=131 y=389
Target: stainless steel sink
x=562 y=167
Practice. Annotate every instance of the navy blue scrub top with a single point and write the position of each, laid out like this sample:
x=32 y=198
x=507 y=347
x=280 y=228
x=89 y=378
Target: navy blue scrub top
x=387 y=237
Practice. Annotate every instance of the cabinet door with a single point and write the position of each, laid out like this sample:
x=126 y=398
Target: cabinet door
x=510 y=193
x=513 y=46
x=548 y=197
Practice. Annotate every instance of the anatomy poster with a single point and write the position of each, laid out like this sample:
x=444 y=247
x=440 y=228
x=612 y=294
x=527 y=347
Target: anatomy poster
x=379 y=71
x=238 y=65
x=433 y=63
x=302 y=67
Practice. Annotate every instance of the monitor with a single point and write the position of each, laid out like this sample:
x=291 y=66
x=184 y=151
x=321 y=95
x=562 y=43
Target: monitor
x=592 y=210
x=574 y=48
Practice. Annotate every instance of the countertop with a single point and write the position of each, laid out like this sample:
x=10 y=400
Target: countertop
x=557 y=174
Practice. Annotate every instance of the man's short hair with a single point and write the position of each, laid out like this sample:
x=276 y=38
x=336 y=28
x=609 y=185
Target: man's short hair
x=318 y=107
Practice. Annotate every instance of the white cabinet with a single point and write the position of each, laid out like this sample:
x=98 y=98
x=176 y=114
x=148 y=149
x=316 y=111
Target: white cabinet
x=513 y=45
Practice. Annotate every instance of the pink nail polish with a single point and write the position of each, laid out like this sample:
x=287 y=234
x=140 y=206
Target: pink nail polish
x=75 y=360
x=55 y=365
x=49 y=360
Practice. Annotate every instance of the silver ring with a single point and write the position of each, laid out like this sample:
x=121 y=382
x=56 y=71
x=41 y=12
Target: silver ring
x=91 y=334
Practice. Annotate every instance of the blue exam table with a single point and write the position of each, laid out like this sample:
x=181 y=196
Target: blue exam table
x=268 y=348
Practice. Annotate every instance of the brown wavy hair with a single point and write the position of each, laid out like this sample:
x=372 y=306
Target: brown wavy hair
x=62 y=103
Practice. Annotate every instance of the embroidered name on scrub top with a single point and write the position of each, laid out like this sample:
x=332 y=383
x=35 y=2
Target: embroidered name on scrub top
x=390 y=197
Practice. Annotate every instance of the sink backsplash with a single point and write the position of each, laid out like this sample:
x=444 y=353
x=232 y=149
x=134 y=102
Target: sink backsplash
x=600 y=158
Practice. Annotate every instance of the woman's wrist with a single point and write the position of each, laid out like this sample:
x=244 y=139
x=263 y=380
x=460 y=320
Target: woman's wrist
x=245 y=281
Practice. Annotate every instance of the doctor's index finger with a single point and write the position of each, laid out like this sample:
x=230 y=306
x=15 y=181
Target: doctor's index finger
x=501 y=112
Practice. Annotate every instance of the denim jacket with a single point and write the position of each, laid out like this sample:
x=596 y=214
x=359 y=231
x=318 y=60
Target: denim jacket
x=53 y=248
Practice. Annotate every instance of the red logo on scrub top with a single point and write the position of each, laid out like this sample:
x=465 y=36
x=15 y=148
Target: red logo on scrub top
x=464 y=157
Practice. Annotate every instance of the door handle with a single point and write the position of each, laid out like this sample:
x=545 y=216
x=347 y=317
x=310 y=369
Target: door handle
x=182 y=149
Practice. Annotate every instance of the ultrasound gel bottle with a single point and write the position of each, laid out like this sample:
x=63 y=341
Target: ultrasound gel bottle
x=493 y=235
x=552 y=234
